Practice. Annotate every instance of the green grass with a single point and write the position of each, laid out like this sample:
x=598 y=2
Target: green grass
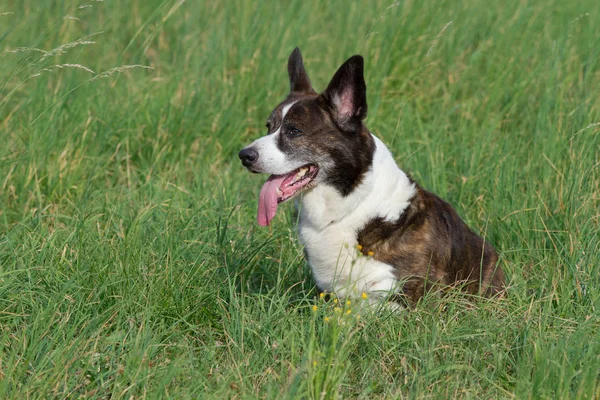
x=130 y=260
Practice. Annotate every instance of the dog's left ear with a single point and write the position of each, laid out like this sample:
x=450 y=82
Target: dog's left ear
x=346 y=94
x=299 y=82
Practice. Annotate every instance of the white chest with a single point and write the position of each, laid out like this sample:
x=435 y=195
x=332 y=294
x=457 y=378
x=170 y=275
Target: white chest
x=329 y=224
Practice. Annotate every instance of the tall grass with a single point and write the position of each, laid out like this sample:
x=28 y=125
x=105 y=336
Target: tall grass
x=130 y=260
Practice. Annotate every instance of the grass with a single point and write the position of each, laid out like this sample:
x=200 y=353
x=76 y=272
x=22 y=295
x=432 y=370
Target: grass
x=131 y=264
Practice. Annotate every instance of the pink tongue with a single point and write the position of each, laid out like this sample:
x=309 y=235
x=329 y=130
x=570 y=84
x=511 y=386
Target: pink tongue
x=267 y=200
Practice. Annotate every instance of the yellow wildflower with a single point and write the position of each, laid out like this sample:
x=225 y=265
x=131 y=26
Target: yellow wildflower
x=348 y=302
x=364 y=295
x=321 y=295
x=335 y=301
x=359 y=247
x=314 y=308
x=348 y=312
x=370 y=253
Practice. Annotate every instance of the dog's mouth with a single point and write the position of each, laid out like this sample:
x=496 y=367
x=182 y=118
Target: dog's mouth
x=280 y=188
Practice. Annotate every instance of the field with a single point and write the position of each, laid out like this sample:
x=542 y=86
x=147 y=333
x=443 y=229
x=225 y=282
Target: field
x=131 y=263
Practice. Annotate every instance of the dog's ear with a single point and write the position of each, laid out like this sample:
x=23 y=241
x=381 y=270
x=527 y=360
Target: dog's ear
x=346 y=94
x=299 y=82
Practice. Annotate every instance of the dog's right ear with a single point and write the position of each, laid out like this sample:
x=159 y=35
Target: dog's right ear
x=299 y=82
x=346 y=94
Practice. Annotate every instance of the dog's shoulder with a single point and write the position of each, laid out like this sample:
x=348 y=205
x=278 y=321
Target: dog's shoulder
x=430 y=241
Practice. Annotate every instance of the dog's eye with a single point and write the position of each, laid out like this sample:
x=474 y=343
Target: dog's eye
x=294 y=131
x=268 y=125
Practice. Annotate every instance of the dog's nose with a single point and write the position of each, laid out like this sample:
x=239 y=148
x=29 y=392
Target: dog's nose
x=248 y=155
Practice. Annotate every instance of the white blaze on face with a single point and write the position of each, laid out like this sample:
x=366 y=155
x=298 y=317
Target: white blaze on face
x=271 y=160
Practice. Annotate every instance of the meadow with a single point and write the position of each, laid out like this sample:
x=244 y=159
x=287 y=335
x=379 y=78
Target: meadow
x=131 y=263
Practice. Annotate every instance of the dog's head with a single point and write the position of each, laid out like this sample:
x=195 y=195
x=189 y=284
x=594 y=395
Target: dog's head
x=313 y=139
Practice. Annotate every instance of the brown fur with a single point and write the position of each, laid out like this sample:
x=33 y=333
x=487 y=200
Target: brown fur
x=430 y=246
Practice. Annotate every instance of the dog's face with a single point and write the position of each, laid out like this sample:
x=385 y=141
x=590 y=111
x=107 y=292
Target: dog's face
x=313 y=139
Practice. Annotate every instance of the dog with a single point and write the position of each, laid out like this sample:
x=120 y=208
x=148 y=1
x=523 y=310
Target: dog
x=368 y=229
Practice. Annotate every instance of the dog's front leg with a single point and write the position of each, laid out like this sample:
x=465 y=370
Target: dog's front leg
x=346 y=272
x=365 y=275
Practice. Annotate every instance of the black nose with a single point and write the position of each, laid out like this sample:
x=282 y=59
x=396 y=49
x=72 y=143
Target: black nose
x=248 y=156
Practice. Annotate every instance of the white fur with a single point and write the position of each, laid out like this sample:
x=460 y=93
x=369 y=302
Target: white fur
x=272 y=160
x=329 y=223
